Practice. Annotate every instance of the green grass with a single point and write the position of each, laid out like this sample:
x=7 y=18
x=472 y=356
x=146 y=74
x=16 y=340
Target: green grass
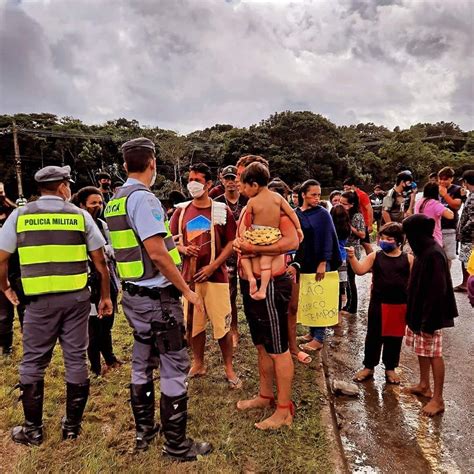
x=106 y=442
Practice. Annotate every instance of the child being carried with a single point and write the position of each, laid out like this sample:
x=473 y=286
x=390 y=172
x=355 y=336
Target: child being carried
x=264 y=209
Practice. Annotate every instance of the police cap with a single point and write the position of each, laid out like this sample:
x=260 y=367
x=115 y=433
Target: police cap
x=141 y=142
x=53 y=173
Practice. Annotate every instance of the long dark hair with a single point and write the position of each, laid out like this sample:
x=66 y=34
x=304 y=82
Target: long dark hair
x=430 y=191
x=304 y=189
x=353 y=199
x=342 y=222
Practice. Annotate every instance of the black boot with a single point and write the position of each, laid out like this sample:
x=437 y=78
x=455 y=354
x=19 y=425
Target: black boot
x=6 y=342
x=76 y=399
x=31 y=432
x=142 y=397
x=174 y=416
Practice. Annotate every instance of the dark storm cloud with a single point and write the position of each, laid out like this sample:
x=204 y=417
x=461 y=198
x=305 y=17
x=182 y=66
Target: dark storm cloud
x=184 y=64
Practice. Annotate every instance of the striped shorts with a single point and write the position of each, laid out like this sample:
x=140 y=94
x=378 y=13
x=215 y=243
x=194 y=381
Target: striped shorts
x=425 y=345
x=268 y=319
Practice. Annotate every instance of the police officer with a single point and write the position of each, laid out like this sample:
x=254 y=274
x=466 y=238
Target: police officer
x=146 y=261
x=53 y=238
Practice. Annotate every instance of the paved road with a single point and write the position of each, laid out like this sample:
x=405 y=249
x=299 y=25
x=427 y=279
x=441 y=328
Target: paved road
x=383 y=430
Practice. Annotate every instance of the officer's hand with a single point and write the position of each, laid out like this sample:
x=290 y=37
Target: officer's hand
x=203 y=274
x=194 y=299
x=12 y=296
x=105 y=308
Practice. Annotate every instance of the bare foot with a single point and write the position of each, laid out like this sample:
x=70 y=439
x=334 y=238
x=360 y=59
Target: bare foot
x=252 y=286
x=230 y=373
x=392 y=377
x=257 y=402
x=281 y=417
x=305 y=338
x=363 y=375
x=419 y=390
x=259 y=295
x=197 y=371
x=433 y=407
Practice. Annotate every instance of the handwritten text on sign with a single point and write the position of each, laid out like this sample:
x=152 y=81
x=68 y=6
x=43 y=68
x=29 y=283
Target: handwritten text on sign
x=318 y=300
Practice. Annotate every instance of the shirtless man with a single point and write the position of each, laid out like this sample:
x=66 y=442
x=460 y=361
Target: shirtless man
x=271 y=337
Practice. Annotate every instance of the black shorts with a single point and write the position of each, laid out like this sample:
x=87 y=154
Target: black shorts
x=233 y=283
x=366 y=239
x=268 y=319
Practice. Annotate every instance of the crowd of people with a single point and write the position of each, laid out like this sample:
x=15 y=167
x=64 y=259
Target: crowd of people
x=65 y=260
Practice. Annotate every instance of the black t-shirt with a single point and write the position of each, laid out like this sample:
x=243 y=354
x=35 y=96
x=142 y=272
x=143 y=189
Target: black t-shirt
x=455 y=193
x=236 y=208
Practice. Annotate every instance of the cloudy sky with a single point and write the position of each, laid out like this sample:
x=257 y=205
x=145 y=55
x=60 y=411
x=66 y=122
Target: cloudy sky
x=188 y=64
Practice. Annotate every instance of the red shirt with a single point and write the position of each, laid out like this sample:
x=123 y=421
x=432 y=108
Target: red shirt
x=364 y=202
x=197 y=231
x=216 y=191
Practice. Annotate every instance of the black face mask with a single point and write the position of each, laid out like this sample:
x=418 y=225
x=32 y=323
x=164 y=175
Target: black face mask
x=105 y=185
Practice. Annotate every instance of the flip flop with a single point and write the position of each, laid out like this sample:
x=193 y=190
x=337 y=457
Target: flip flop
x=359 y=378
x=305 y=338
x=306 y=348
x=235 y=384
x=304 y=358
x=196 y=375
x=460 y=289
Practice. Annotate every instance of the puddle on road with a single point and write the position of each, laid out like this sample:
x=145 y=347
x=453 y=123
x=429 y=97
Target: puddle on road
x=382 y=430
x=428 y=435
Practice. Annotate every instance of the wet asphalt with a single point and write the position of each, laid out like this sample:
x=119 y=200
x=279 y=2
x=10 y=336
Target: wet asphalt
x=382 y=430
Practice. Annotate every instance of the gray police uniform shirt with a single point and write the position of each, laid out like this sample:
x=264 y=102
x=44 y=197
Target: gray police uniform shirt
x=147 y=219
x=8 y=239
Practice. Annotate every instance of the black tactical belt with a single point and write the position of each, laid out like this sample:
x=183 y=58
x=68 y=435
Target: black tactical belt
x=152 y=293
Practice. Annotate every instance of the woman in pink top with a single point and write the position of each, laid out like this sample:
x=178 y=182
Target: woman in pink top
x=430 y=206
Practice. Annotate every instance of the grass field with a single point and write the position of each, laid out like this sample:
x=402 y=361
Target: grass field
x=108 y=431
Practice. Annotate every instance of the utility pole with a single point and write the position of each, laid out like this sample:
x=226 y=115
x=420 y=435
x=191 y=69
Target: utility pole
x=17 y=161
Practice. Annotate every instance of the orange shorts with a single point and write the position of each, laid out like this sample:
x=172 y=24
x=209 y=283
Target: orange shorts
x=217 y=309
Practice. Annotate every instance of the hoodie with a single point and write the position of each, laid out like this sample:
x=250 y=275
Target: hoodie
x=431 y=303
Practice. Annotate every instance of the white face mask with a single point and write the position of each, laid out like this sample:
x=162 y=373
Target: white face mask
x=195 y=189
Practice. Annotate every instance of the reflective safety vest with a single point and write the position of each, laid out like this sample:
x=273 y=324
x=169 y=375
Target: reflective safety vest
x=52 y=249
x=133 y=262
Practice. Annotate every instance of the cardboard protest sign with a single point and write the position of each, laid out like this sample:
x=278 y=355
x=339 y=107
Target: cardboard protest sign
x=318 y=300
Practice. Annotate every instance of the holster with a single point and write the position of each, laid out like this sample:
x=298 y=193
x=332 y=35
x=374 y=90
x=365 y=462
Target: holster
x=165 y=337
x=168 y=336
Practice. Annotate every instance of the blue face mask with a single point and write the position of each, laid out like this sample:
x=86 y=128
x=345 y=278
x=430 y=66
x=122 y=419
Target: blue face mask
x=387 y=247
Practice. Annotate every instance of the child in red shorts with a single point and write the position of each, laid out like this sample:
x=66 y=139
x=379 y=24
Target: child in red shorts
x=431 y=307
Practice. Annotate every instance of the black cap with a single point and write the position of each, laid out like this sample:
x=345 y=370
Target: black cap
x=103 y=175
x=229 y=171
x=53 y=173
x=141 y=142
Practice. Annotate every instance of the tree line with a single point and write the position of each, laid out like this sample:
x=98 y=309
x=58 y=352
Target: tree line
x=298 y=145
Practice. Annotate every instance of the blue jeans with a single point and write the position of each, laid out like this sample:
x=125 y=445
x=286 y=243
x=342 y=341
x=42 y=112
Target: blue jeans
x=318 y=334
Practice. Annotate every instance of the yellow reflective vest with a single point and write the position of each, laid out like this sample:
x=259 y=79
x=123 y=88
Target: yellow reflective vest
x=133 y=262
x=52 y=249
